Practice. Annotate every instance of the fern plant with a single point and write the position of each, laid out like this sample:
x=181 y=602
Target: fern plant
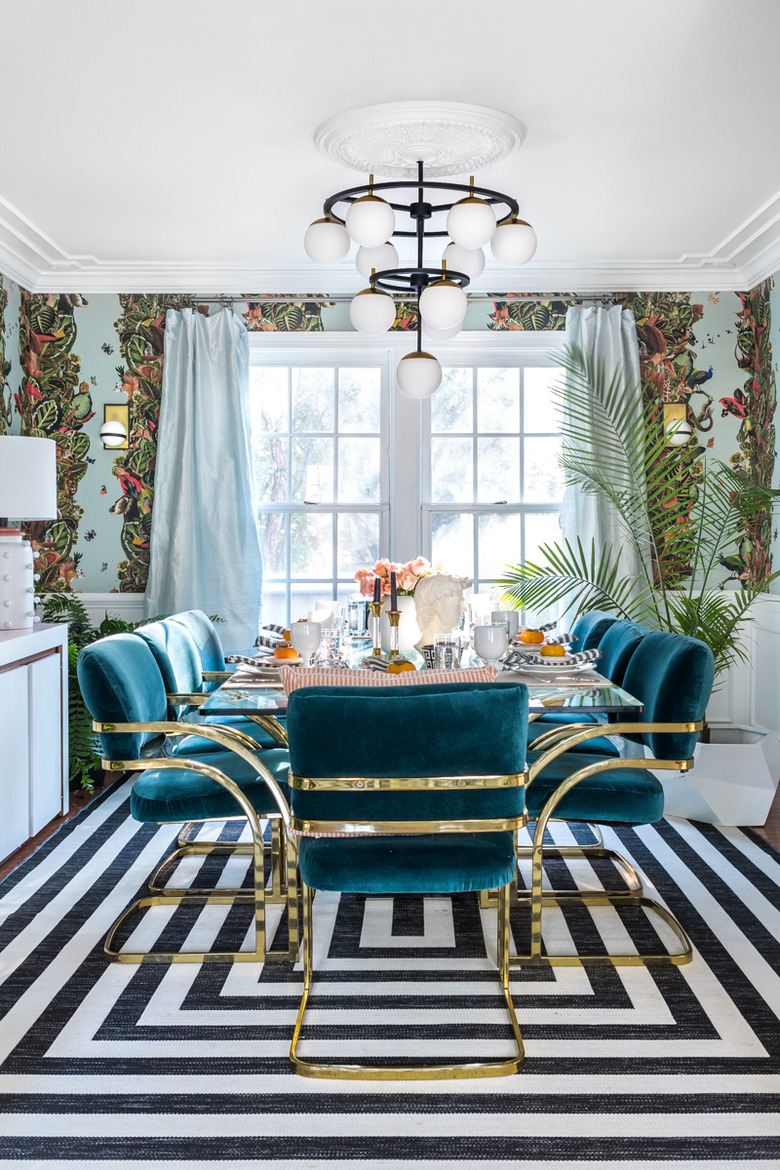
x=83 y=748
x=680 y=513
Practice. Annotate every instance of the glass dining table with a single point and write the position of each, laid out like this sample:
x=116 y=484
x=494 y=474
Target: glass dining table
x=591 y=696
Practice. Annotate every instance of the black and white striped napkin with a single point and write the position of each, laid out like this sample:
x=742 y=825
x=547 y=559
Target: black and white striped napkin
x=270 y=635
x=517 y=659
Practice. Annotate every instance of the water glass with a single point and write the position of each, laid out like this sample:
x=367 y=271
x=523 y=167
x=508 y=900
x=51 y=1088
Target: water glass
x=490 y=642
x=357 y=619
x=510 y=617
x=306 y=638
x=446 y=651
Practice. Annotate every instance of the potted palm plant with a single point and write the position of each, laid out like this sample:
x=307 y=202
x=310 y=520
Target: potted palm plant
x=678 y=515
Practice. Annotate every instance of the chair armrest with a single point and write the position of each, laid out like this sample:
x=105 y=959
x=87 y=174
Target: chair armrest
x=185 y=697
x=217 y=675
x=572 y=737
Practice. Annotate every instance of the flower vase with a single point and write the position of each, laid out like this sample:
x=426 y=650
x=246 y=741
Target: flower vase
x=408 y=630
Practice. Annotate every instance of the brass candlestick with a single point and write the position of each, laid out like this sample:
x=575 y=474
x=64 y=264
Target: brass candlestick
x=394 y=617
x=376 y=627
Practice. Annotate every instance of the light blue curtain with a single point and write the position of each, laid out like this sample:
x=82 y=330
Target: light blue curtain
x=205 y=545
x=607 y=336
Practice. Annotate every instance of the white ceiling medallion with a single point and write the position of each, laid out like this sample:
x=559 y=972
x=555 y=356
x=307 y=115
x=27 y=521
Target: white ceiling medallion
x=449 y=137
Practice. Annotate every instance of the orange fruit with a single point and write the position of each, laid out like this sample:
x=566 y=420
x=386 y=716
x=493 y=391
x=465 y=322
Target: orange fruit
x=552 y=651
x=285 y=635
x=532 y=637
x=285 y=652
x=398 y=667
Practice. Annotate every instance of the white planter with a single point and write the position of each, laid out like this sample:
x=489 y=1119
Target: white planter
x=733 y=780
x=408 y=630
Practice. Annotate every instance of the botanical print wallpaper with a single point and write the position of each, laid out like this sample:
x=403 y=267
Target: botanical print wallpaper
x=64 y=357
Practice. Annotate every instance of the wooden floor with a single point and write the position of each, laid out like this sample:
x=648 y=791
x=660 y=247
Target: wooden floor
x=80 y=800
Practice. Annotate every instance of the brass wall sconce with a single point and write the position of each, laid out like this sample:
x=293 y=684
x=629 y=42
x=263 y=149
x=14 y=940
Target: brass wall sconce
x=116 y=426
x=677 y=426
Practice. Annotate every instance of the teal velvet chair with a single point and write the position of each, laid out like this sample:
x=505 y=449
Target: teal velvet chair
x=407 y=789
x=673 y=676
x=125 y=694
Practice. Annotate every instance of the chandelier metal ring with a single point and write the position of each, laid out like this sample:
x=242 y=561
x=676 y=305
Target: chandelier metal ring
x=404 y=280
x=350 y=194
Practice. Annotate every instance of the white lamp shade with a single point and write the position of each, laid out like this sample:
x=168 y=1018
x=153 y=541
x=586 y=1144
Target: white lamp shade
x=370 y=221
x=678 y=433
x=372 y=311
x=418 y=374
x=442 y=334
x=514 y=242
x=28 y=478
x=113 y=433
x=379 y=259
x=326 y=241
x=471 y=222
x=443 y=304
x=470 y=261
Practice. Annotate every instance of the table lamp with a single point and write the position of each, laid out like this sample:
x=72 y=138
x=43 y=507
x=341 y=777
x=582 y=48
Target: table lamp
x=28 y=491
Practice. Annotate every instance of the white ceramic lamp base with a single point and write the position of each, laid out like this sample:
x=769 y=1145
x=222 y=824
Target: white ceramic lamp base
x=17 y=592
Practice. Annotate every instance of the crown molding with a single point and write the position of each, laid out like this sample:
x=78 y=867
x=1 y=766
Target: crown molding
x=33 y=260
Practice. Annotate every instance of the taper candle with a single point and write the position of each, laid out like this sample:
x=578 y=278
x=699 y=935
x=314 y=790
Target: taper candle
x=393 y=592
x=377 y=589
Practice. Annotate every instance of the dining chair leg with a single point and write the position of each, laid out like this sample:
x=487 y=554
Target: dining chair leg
x=337 y=1071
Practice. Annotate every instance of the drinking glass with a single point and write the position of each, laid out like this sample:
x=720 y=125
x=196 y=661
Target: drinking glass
x=306 y=638
x=510 y=617
x=446 y=651
x=490 y=642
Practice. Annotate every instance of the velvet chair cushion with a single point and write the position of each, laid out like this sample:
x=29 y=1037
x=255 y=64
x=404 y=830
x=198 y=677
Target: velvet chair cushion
x=121 y=683
x=201 y=630
x=624 y=795
x=446 y=729
x=617 y=648
x=428 y=864
x=197 y=745
x=177 y=657
x=171 y=794
x=590 y=628
x=672 y=675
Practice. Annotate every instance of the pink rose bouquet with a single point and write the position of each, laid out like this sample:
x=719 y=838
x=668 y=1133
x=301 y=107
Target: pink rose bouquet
x=406 y=576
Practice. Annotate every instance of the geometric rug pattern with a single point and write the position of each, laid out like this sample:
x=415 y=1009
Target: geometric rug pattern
x=124 y=1066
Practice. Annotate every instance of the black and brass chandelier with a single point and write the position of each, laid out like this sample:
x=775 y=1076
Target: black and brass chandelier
x=366 y=215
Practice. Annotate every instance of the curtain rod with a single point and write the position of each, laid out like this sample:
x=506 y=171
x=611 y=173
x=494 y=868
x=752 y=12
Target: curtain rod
x=337 y=298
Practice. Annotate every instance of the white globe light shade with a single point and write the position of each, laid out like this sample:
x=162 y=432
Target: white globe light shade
x=370 y=221
x=442 y=334
x=372 y=311
x=443 y=304
x=418 y=374
x=470 y=261
x=678 y=433
x=113 y=433
x=326 y=241
x=471 y=222
x=514 y=242
x=380 y=259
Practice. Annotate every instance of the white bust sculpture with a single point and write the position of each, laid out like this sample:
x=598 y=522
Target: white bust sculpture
x=440 y=605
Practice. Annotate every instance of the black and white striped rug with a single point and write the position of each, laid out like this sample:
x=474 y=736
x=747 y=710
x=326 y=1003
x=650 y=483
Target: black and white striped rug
x=119 y=1066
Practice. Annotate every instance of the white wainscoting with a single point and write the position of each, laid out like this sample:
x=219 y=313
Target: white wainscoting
x=127 y=606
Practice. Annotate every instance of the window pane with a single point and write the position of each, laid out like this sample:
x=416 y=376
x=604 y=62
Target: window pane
x=275 y=603
x=269 y=398
x=452 y=542
x=358 y=543
x=311 y=545
x=271 y=469
x=451 y=470
x=543 y=476
x=498 y=470
x=498 y=400
x=540 y=409
x=451 y=406
x=540 y=528
x=359 y=471
x=498 y=544
x=303 y=598
x=273 y=529
x=313 y=397
x=312 y=470
x=359 y=397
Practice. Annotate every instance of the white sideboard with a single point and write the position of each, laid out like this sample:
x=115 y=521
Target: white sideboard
x=33 y=731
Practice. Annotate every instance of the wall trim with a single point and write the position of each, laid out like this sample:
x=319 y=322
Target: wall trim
x=745 y=257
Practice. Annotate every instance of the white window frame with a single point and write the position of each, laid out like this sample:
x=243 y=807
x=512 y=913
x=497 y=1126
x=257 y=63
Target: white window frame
x=405 y=519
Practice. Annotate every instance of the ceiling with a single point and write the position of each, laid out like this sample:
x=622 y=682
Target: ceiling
x=169 y=146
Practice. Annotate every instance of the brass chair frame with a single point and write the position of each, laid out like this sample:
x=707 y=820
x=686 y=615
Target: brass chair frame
x=246 y=748
x=538 y=897
x=308 y=827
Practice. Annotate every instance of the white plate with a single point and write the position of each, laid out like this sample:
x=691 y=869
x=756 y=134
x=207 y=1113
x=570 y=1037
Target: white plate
x=554 y=668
